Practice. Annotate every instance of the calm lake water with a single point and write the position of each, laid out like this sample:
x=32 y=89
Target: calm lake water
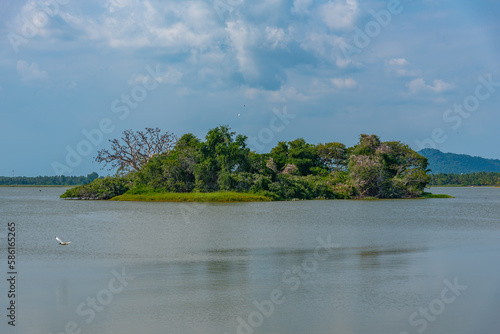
x=363 y=267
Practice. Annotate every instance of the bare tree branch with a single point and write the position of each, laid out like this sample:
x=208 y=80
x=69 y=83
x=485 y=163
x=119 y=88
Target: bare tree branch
x=134 y=149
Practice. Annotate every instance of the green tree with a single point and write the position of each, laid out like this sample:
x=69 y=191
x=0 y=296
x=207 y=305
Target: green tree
x=333 y=155
x=297 y=153
x=104 y=188
x=227 y=151
x=303 y=155
x=387 y=169
x=221 y=152
x=367 y=175
x=367 y=145
x=279 y=153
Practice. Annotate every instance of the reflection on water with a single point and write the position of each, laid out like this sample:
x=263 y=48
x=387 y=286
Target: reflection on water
x=255 y=267
x=375 y=252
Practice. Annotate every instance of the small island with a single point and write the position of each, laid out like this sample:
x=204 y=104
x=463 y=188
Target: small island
x=156 y=166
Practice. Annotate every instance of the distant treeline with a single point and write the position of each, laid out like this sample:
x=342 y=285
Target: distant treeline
x=59 y=180
x=472 y=179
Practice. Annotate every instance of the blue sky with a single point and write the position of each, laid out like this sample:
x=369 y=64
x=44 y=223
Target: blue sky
x=74 y=74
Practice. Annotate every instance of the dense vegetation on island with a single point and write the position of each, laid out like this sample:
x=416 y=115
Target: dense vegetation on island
x=472 y=179
x=451 y=163
x=291 y=170
x=59 y=180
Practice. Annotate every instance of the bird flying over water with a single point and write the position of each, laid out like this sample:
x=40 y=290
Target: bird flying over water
x=62 y=243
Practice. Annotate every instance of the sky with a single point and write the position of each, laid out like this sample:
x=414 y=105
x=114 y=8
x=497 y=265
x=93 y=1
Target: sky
x=75 y=74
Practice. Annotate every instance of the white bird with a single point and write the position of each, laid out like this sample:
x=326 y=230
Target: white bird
x=62 y=243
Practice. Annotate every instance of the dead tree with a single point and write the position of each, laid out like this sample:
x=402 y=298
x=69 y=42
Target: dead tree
x=135 y=149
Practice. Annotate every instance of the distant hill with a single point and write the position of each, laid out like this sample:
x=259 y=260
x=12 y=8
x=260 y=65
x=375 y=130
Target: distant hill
x=451 y=163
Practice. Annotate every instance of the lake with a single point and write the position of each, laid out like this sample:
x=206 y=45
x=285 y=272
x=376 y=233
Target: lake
x=341 y=266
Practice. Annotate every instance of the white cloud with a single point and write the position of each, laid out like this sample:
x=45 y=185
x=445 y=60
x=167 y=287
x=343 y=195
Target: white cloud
x=171 y=76
x=242 y=38
x=441 y=86
x=289 y=93
x=344 y=83
x=114 y=5
x=339 y=14
x=316 y=43
x=276 y=38
x=419 y=85
x=398 y=62
x=261 y=9
x=136 y=24
x=343 y=63
x=31 y=73
x=301 y=6
x=325 y=46
x=399 y=67
x=33 y=14
x=401 y=72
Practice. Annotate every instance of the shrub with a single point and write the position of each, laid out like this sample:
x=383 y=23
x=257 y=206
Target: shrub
x=105 y=188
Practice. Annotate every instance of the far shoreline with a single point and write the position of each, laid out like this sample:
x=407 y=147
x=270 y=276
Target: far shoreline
x=38 y=186
x=462 y=186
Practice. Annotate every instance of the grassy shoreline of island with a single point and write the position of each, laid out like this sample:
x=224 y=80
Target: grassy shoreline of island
x=214 y=197
x=430 y=195
x=229 y=197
